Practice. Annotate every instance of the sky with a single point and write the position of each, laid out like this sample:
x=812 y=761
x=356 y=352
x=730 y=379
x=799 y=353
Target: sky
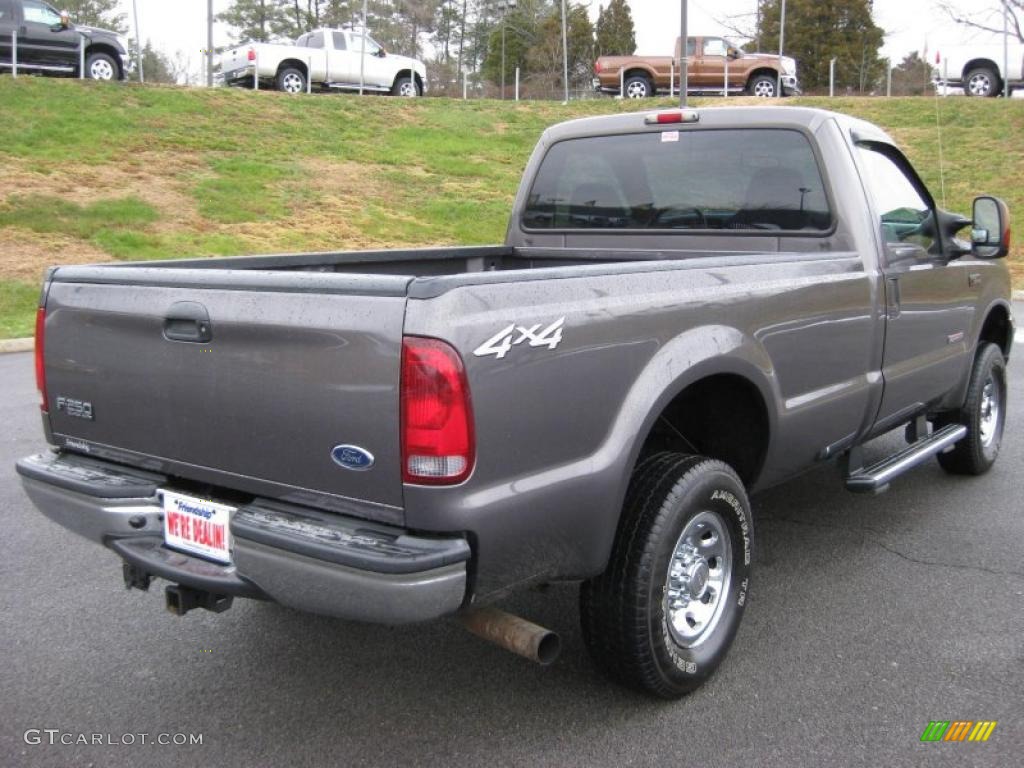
x=910 y=25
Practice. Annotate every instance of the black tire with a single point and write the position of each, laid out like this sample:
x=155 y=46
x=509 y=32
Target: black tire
x=765 y=86
x=101 y=66
x=624 y=611
x=983 y=413
x=291 y=80
x=981 y=81
x=407 y=87
x=637 y=87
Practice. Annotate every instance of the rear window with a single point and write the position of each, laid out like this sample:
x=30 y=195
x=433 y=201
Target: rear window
x=738 y=179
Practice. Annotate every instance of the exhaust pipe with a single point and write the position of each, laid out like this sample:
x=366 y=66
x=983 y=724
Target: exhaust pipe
x=513 y=633
x=181 y=600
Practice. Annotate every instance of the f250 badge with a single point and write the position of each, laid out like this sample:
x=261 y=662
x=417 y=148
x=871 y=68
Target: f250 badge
x=80 y=409
x=513 y=335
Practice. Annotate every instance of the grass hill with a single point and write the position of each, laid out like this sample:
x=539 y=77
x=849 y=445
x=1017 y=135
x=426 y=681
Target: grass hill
x=95 y=172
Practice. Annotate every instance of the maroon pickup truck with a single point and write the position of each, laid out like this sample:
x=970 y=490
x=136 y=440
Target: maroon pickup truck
x=708 y=59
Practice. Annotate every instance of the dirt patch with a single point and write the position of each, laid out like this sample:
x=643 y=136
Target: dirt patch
x=157 y=178
x=25 y=255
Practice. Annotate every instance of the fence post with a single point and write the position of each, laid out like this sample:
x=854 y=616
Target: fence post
x=672 y=79
x=725 y=85
x=517 y=83
x=14 y=54
x=622 y=83
x=888 y=78
x=832 y=77
x=81 y=56
x=465 y=85
x=256 y=71
x=309 y=74
x=945 y=78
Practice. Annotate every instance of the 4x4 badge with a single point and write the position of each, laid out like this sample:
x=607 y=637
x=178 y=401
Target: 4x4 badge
x=513 y=335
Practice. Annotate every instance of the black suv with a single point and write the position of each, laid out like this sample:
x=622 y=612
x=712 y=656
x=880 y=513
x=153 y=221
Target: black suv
x=48 y=43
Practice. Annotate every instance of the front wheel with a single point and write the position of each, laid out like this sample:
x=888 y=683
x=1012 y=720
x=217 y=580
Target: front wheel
x=662 y=616
x=100 y=66
x=764 y=86
x=983 y=413
x=291 y=80
x=405 y=86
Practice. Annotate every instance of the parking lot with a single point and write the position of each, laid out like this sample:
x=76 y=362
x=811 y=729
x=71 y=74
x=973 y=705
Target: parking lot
x=869 y=617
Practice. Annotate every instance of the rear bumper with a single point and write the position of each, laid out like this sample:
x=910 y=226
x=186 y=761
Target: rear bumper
x=302 y=558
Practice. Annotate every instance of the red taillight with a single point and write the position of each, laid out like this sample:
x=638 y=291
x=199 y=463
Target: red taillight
x=597 y=66
x=40 y=366
x=252 y=54
x=437 y=417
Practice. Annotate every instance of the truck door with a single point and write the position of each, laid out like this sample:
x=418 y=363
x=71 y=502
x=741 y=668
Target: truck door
x=711 y=64
x=929 y=301
x=341 y=58
x=378 y=70
x=42 y=41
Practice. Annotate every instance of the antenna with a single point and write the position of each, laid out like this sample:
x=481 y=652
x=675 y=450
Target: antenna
x=938 y=131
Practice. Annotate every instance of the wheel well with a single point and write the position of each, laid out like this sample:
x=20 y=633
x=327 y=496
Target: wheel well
x=762 y=71
x=997 y=330
x=293 y=64
x=639 y=73
x=723 y=417
x=984 y=63
x=416 y=77
x=111 y=52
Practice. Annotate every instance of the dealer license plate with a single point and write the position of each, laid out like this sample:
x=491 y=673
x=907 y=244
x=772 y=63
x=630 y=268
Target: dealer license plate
x=198 y=526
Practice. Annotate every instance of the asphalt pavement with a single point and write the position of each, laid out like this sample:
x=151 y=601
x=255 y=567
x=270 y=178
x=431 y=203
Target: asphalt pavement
x=869 y=617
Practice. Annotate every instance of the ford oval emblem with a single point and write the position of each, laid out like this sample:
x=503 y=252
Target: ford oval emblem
x=352 y=457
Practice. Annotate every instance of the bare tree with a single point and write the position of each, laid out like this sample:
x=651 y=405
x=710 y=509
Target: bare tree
x=988 y=19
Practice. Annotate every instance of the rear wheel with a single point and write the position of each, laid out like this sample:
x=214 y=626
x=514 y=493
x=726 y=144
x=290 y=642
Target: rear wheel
x=638 y=87
x=764 y=86
x=405 y=86
x=663 y=614
x=101 y=66
x=291 y=80
x=983 y=413
x=981 y=81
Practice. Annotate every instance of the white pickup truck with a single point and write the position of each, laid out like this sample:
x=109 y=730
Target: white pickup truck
x=326 y=59
x=978 y=68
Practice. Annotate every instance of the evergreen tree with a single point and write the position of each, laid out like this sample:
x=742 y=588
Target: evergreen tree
x=817 y=31
x=615 y=33
x=545 y=55
x=258 y=21
x=912 y=77
x=97 y=13
x=158 y=67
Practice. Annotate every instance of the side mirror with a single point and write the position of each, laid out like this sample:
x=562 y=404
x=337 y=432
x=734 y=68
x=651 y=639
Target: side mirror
x=734 y=53
x=990 y=230
x=382 y=53
x=65 y=20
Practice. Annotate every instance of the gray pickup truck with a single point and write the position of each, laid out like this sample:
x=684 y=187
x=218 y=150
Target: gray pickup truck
x=690 y=306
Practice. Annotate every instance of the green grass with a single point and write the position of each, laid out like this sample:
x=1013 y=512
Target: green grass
x=173 y=172
x=18 y=302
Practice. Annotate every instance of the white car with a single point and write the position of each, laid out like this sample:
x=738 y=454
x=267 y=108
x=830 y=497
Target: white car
x=325 y=58
x=978 y=68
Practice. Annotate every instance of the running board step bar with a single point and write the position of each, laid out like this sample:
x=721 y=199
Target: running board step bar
x=876 y=478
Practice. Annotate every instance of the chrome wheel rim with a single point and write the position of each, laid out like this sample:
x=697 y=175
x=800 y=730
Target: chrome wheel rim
x=980 y=85
x=988 y=423
x=764 y=88
x=101 y=69
x=407 y=89
x=292 y=83
x=636 y=90
x=699 y=575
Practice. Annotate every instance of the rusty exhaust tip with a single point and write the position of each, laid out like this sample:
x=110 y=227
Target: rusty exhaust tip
x=513 y=633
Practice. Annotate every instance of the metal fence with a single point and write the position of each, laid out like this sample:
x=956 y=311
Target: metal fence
x=14 y=64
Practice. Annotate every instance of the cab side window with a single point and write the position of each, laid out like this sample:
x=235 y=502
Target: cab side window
x=40 y=13
x=316 y=40
x=906 y=214
x=339 y=41
x=714 y=46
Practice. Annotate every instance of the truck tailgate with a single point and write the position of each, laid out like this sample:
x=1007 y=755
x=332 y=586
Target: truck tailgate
x=287 y=375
